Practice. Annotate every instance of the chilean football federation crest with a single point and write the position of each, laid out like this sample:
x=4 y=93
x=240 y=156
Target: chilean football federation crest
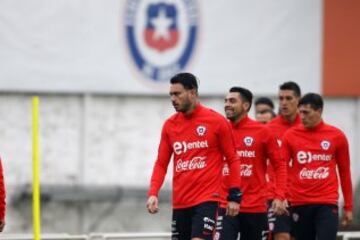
x=248 y=141
x=325 y=144
x=201 y=130
x=161 y=36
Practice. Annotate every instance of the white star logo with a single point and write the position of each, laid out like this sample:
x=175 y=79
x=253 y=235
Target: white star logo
x=162 y=24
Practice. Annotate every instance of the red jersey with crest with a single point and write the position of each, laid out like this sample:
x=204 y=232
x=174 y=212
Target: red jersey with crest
x=2 y=194
x=316 y=155
x=254 y=145
x=197 y=143
x=278 y=127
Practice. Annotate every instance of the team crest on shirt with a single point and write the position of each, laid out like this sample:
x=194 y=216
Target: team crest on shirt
x=201 y=130
x=325 y=144
x=248 y=141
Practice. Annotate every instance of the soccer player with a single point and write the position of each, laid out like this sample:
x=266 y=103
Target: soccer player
x=198 y=139
x=2 y=199
x=254 y=145
x=317 y=150
x=264 y=110
x=289 y=96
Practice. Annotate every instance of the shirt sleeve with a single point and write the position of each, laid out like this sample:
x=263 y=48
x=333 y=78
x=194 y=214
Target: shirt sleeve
x=286 y=155
x=161 y=164
x=2 y=194
x=278 y=163
x=343 y=163
x=227 y=144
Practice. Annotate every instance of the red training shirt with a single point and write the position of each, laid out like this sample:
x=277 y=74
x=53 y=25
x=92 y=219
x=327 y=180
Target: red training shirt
x=278 y=126
x=2 y=194
x=197 y=143
x=254 y=145
x=315 y=154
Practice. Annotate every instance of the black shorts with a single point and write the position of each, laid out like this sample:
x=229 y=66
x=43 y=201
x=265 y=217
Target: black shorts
x=271 y=216
x=250 y=226
x=279 y=223
x=198 y=221
x=315 y=221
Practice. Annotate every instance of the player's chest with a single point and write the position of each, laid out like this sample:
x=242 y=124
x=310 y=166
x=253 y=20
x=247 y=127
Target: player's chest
x=313 y=149
x=249 y=146
x=198 y=134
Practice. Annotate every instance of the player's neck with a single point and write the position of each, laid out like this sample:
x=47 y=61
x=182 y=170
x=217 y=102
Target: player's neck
x=241 y=117
x=290 y=118
x=191 y=108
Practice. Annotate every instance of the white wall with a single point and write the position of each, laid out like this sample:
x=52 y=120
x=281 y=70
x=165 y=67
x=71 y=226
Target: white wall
x=105 y=140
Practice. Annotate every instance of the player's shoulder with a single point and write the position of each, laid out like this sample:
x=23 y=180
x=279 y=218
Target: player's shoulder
x=256 y=124
x=173 y=117
x=212 y=116
x=275 y=122
x=334 y=130
x=294 y=130
x=211 y=112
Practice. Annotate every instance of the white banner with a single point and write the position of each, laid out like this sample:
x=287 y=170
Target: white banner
x=134 y=46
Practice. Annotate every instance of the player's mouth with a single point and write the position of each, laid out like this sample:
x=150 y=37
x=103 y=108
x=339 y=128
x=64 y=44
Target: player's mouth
x=229 y=111
x=175 y=105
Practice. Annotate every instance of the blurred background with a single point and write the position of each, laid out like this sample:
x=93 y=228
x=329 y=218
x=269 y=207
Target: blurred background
x=101 y=69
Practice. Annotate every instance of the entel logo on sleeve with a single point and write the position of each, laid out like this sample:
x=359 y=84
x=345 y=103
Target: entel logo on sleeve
x=161 y=36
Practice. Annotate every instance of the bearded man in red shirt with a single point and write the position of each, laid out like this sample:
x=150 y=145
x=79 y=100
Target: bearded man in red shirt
x=254 y=145
x=197 y=138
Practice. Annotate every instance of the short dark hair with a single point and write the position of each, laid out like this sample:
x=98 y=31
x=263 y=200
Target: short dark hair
x=266 y=101
x=313 y=99
x=293 y=86
x=188 y=80
x=245 y=94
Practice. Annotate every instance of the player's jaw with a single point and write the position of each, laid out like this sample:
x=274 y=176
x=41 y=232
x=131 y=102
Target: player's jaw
x=181 y=106
x=231 y=113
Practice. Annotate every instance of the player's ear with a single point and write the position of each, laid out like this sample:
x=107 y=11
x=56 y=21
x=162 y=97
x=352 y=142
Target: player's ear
x=194 y=92
x=247 y=106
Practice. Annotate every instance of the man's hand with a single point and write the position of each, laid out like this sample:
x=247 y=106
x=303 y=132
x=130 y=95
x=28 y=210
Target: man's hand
x=232 y=208
x=2 y=225
x=346 y=218
x=152 y=204
x=279 y=207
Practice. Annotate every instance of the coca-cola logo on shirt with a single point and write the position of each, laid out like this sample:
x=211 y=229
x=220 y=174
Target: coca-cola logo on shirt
x=246 y=170
x=225 y=170
x=183 y=147
x=318 y=173
x=192 y=164
x=307 y=157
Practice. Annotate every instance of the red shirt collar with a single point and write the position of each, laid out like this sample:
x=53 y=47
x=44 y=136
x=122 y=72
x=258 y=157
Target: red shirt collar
x=241 y=123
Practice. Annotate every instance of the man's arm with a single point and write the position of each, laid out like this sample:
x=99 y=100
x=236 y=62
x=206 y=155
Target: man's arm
x=2 y=198
x=227 y=145
x=159 y=171
x=343 y=163
x=277 y=162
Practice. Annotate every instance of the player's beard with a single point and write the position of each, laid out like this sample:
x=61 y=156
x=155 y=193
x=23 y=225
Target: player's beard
x=184 y=107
